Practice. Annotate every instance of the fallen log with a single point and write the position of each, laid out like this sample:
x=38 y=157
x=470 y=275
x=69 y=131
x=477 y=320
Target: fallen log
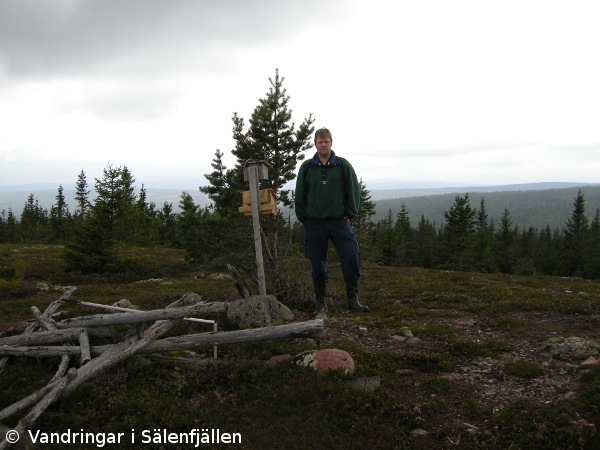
x=62 y=368
x=44 y=322
x=100 y=320
x=84 y=344
x=313 y=329
x=72 y=350
x=52 y=337
x=51 y=309
x=116 y=354
x=240 y=284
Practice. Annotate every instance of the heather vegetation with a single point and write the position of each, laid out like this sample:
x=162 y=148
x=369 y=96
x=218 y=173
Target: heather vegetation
x=473 y=374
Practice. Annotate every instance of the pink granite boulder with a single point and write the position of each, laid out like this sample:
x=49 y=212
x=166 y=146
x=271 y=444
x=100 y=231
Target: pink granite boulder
x=324 y=360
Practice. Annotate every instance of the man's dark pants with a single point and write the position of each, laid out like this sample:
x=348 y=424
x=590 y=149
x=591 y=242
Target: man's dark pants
x=317 y=233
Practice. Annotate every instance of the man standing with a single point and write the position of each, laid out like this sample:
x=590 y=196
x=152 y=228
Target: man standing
x=327 y=197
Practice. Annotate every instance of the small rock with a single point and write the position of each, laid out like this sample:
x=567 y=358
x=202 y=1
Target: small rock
x=590 y=362
x=399 y=338
x=286 y=314
x=419 y=432
x=123 y=303
x=405 y=372
x=258 y=311
x=405 y=331
x=324 y=360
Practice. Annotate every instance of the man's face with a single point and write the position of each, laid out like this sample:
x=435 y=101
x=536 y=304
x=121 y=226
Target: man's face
x=323 y=144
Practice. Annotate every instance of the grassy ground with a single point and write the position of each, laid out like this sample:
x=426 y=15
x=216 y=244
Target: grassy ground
x=472 y=375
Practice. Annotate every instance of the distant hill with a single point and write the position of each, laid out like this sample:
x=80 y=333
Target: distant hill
x=382 y=194
x=527 y=208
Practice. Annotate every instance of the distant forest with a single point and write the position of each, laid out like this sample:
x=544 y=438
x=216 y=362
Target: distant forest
x=463 y=232
x=535 y=208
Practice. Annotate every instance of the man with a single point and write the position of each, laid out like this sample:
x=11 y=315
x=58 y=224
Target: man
x=327 y=197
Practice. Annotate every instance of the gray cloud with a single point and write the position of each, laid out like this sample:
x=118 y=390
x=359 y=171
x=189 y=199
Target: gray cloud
x=127 y=101
x=39 y=38
x=454 y=151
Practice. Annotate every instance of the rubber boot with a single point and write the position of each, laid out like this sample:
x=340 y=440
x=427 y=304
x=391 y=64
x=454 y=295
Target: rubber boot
x=352 y=294
x=320 y=292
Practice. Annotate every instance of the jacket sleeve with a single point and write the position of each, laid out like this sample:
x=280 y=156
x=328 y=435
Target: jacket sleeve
x=300 y=195
x=352 y=200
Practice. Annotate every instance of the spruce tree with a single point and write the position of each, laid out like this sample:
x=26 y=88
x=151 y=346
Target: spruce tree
x=12 y=228
x=3 y=228
x=362 y=222
x=81 y=196
x=458 y=233
x=484 y=239
x=59 y=216
x=272 y=137
x=425 y=243
x=404 y=233
x=576 y=232
x=114 y=207
x=33 y=221
x=507 y=244
x=224 y=189
x=167 y=225
x=388 y=250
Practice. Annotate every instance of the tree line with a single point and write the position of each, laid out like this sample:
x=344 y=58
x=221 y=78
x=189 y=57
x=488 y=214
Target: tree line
x=97 y=228
x=469 y=241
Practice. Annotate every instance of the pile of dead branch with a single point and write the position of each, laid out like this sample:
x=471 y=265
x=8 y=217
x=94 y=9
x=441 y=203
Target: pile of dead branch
x=81 y=361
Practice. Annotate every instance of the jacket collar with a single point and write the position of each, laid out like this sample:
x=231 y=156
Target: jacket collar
x=332 y=160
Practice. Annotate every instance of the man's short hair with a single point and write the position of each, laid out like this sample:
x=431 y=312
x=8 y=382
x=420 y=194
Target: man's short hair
x=323 y=132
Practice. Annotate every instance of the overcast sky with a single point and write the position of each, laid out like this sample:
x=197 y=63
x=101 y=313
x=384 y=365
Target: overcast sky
x=435 y=93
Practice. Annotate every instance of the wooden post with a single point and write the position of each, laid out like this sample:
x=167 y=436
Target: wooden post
x=251 y=170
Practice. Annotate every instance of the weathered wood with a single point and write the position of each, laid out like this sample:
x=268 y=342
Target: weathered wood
x=62 y=368
x=3 y=364
x=99 y=305
x=52 y=308
x=39 y=351
x=240 y=284
x=118 y=353
x=84 y=344
x=55 y=392
x=52 y=337
x=312 y=329
x=44 y=322
x=251 y=172
x=100 y=320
